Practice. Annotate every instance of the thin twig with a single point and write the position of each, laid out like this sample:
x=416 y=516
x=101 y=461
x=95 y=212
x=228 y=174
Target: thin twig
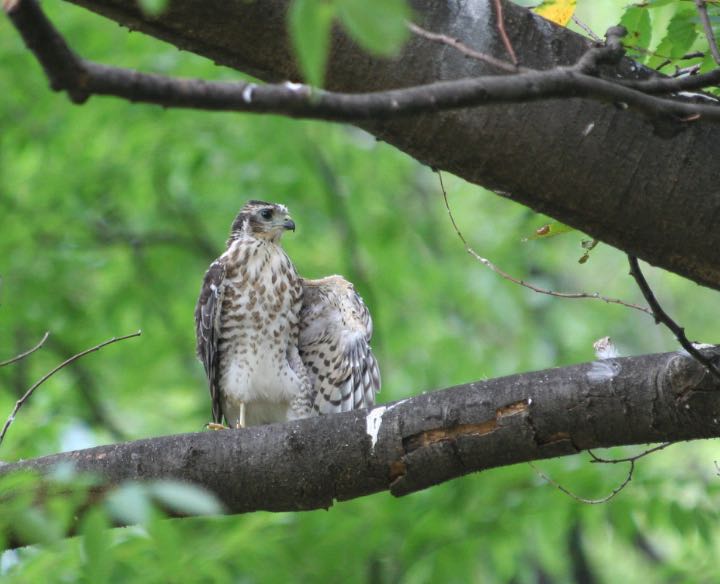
x=586 y=28
x=503 y=32
x=600 y=459
x=662 y=317
x=88 y=391
x=19 y=403
x=707 y=28
x=569 y=493
x=464 y=49
x=21 y=356
x=503 y=274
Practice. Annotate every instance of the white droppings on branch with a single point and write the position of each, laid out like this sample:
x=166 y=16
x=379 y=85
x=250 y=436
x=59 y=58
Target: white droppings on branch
x=297 y=87
x=589 y=128
x=373 y=422
x=247 y=92
x=601 y=371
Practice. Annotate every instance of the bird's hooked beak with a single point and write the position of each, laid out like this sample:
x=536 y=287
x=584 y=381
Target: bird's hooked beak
x=289 y=224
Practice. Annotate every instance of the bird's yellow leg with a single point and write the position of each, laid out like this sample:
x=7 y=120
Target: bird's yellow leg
x=241 y=416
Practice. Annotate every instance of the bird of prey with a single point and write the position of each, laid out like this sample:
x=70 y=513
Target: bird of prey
x=274 y=346
x=247 y=324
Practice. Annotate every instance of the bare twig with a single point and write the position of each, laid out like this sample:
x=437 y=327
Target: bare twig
x=600 y=459
x=569 y=493
x=21 y=356
x=503 y=274
x=88 y=391
x=464 y=49
x=707 y=29
x=44 y=378
x=82 y=79
x=662 y=317
x=503 y=32
x=586 y=28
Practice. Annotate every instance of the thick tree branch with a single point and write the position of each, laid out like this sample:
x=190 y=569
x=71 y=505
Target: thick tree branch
x=419 y=442
x=647 y=188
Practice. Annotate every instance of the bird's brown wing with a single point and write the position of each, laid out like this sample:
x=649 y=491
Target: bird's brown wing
x=207 y=329
x=335 y=332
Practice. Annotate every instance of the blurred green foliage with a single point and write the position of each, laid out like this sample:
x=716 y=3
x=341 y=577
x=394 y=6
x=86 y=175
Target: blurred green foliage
x=378 y=26
x=111 y=212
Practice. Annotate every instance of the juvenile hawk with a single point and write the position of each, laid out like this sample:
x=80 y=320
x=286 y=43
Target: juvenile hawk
x=276 y=347
x=246 y=322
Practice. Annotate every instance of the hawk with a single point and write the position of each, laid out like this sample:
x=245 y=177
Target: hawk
x=275 y=346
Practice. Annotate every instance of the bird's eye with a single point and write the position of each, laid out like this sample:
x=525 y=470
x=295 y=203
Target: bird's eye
x=266 y=214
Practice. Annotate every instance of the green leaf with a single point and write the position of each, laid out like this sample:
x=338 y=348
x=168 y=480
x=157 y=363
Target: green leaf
x=680 y=35
x=550 y=230
x=34 y=525
x=588 y=245
x=637 y=21
x=130 y=504
x=185 y=498
x=658 y=3
x=705 y=527
x=379 y=26
x=96 y=545
x=310 y=23
x=682 y=519
x=153 y=7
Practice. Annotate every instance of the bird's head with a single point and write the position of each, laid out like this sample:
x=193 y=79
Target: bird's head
x=262 y=220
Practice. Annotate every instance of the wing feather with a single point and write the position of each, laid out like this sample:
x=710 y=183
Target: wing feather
x=335 y=334
x=207 y=330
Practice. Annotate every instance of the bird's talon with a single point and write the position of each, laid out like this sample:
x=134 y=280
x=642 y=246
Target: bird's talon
x=214 y=426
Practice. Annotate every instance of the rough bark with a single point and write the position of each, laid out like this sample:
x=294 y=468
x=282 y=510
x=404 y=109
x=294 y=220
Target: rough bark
x=606 y=171
x=410 y=445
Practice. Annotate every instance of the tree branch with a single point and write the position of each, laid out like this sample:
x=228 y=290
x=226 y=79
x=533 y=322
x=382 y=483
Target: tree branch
x=503 y=274
x=82 y=79
x=413 y=444
x=588 y=164
x=707 y=29
x=26 y=396
x=662 y=317
x=24 y=354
